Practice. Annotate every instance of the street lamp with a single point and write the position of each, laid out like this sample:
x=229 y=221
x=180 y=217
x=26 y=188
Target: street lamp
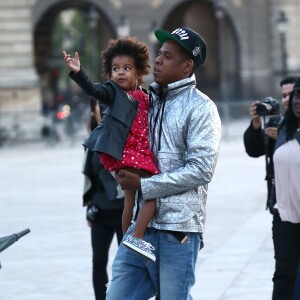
x=123 y=28
x=93 y=24
x=281 y=23
x=93 y=18
x=220 y=16
x=152 y=38
x=67 y=40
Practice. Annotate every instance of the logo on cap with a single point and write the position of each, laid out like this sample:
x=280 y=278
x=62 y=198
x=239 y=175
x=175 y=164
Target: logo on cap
x=181 y=33
x=196 y=51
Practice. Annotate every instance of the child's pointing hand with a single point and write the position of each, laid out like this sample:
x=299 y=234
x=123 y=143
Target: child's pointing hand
x=72 y=63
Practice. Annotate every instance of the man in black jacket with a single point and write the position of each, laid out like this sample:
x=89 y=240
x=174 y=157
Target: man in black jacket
x=259 y=141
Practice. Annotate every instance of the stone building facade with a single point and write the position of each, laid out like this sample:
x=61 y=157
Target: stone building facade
x=246 y=54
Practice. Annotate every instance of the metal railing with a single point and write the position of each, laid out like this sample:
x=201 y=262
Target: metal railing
x=19 y=127
x=28 y=126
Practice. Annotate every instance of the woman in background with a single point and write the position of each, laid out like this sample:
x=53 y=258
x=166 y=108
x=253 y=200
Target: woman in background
x=105 y=201
x=286 y=222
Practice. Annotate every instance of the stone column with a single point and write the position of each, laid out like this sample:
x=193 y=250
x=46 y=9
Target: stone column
x=20 y=97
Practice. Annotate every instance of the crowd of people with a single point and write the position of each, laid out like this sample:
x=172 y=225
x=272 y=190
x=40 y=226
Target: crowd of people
x=150 y=156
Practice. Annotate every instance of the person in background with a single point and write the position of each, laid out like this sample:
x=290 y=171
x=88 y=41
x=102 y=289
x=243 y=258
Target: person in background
x=104 y=200
x=260 y=141
x=286 y=221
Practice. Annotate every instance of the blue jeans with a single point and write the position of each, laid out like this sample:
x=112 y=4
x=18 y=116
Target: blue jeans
x=171 y=276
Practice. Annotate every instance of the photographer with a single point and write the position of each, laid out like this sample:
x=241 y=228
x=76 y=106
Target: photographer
x=259 y=141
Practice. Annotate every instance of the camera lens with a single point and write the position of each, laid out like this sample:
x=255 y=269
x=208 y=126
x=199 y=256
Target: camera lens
x=263 y=109
x=268 y=106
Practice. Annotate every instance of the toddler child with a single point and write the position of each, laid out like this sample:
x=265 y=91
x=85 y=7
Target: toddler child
x=122 y=136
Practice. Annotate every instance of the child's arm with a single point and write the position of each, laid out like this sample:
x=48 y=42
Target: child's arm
x=72 y=63
x=104 y=94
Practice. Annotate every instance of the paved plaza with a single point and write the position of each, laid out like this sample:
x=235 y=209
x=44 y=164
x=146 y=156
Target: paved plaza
x=41 y=188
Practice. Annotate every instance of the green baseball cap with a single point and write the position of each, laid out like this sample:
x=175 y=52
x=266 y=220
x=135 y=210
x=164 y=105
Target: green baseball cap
x=187 y=38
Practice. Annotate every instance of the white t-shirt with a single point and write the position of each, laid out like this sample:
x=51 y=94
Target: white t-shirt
x=287 y=181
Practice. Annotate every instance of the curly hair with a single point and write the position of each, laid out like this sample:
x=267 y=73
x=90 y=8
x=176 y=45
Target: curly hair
x=290 y=120
x=130 y=46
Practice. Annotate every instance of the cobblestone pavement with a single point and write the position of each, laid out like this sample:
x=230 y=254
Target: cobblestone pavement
x=41 y=189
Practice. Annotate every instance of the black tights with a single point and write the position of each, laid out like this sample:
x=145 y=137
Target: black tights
x=105 y=225
x=286 y=238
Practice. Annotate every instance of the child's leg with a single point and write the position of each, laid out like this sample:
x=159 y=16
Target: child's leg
x=135 y=241
x=146 y=213
x=127 y=211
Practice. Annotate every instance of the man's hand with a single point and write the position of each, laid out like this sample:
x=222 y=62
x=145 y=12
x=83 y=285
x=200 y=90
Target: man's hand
x=128 y=180
x=72 y=63
x=254 y=116
x=272 y=132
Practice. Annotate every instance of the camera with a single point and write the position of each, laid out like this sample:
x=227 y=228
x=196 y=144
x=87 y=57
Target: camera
x=268 y=107
x=91 y=212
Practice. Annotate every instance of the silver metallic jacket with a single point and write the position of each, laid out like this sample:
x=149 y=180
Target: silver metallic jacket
x=185 y=132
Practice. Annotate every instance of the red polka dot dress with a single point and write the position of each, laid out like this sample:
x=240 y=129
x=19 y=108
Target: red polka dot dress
x=137 y=153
